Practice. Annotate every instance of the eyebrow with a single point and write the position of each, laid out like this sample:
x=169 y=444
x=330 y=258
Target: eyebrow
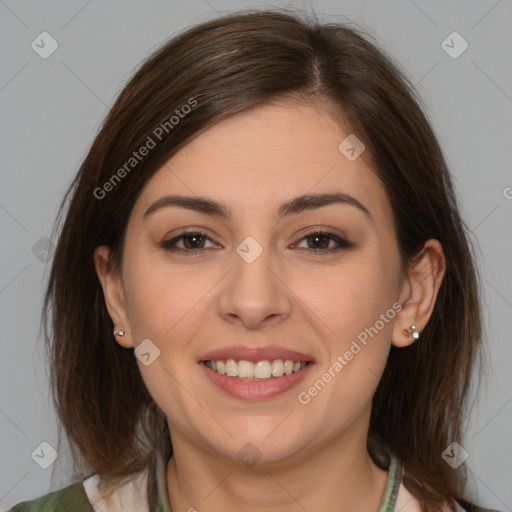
x=293 y=206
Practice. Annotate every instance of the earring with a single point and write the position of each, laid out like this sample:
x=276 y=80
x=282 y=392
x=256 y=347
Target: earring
x=119 y=333
x=411 y=333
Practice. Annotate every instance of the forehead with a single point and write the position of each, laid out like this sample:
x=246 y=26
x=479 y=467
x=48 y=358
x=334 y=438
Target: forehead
x=268 y=155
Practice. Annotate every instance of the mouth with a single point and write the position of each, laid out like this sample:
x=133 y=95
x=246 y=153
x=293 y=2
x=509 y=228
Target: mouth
x=263 y=370
x=254 y=374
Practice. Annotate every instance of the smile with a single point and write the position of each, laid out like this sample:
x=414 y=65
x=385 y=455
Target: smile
x=259 y=380
x=260 y=370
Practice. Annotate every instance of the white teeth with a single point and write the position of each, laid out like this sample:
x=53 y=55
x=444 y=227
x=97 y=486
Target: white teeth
x=278 y=368
x=247 y=370
x=231 y=368
x=263 y=370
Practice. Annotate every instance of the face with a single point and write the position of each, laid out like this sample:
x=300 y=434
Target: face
x=262 y=278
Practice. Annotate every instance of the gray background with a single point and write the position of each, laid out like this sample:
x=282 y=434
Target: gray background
x=51 y=109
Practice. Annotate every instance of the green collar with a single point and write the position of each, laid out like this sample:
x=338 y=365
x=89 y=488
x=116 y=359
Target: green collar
x=387 y=504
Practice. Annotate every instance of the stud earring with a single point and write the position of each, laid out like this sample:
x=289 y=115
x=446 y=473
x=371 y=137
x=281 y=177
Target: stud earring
x=411 y=333
x=119 y=333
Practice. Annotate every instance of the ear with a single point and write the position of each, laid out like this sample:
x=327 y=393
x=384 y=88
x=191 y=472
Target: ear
x=113 y=293
x=419 y=289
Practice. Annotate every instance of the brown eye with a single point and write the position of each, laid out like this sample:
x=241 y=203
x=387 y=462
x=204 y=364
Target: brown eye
x=319 y=242
x=190 y=242
x=195 y=241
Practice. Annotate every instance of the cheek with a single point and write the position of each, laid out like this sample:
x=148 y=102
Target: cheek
x=349 y=298
x=161 y=299
x=354 y=308
x=166 y=305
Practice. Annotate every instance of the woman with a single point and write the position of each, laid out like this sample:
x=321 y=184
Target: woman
x=263 y=296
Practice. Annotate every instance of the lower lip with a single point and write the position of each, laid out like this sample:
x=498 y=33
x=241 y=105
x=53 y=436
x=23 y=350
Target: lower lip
x=256 y=389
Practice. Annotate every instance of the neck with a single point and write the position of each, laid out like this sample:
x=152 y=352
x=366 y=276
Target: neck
x=339 y=476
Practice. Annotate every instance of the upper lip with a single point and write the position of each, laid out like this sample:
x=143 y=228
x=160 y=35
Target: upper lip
x=255 y=354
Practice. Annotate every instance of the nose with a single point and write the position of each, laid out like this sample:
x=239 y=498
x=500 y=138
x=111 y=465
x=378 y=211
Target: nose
x=254 y=293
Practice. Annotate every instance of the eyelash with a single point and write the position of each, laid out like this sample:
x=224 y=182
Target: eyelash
x=169 y=245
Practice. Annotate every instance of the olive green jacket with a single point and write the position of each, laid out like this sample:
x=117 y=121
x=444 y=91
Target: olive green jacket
x=85 y=497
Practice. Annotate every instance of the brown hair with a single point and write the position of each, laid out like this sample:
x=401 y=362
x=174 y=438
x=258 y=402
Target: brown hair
x=222 y=67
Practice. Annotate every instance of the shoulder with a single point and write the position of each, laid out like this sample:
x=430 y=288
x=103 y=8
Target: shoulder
x=129 y=497
x=70 y=498
x=470 y=507
x=86 y=496
x=406 y=502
